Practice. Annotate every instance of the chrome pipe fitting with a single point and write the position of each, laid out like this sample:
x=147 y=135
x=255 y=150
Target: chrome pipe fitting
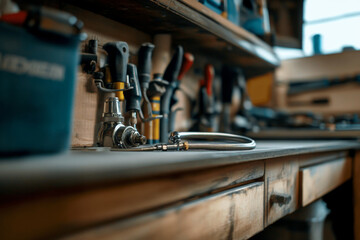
x=113 y=132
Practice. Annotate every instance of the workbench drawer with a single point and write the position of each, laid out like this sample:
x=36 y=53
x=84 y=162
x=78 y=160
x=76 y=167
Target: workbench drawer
x=237 y=213
x=282 y=188
x=320 y=179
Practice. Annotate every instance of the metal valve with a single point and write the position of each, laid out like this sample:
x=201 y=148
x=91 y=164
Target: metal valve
x=113 y=132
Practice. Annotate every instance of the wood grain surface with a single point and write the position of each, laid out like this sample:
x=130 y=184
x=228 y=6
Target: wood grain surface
x=233 y=214
x=281 y=180
x=320 y=179
x=49 y=214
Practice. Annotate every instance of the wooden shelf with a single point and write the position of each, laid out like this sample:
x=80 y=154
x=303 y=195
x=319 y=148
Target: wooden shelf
x=192 y=25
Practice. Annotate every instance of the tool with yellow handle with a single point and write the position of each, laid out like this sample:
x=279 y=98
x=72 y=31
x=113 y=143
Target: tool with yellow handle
x=156 y=89
x=144 y=66
x=155 y=104
x=118 y=55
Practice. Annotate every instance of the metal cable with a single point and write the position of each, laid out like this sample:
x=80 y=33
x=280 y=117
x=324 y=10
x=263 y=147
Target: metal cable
x=243 y=143
x=177 y=142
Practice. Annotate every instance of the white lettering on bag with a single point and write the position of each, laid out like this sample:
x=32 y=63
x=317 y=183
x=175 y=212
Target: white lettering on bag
x=22 y=66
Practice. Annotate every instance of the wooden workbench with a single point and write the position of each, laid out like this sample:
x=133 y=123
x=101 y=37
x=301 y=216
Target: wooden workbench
x=169 y=195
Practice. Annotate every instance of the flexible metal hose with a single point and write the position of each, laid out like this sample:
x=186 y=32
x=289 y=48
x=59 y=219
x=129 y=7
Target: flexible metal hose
x=177 y=143
x=243 y=143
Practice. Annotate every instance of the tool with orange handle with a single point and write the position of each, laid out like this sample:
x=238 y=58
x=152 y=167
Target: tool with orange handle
x=207 y=120
x=205 y=116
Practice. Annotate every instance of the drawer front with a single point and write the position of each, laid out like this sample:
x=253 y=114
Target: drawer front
x=69 y=211
x=282 y=188
x=320 y=179
x=233 y=214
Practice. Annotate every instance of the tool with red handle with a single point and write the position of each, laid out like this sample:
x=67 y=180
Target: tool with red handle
x=207 y=120
x=205 y=116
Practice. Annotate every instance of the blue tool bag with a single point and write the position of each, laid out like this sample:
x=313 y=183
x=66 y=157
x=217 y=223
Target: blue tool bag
x=38 y=65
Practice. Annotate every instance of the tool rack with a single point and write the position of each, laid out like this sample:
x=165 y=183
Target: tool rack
x=192 y=25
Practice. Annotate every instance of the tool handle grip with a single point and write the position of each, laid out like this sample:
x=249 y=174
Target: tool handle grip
x=187 y=62
x=133 y=96
x=209 y=74
x=172 y=70
x=228 y=78
x=118 y=54
x=144 y=64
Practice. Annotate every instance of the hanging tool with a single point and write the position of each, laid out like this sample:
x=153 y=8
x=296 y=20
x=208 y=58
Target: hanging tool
x=88 y=59
x=171 y=74
x=144 y=65
x=187 y=62
x=132 y=97
x=228 y=78
x=114 y=79
x=118 y=54
x=177 y=143
x=206 y=107
x=156 y=89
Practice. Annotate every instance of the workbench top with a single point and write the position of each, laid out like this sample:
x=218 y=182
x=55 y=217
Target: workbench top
x=74 y=168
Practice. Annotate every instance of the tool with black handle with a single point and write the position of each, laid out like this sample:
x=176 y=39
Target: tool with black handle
x=187 y=62
x=133 y=96
x=171 y=74
x=156 y=89
x=118 y=55
x=228 y=78
x=144 y=66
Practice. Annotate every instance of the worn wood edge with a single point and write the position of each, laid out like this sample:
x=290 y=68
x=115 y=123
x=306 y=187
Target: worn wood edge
x=67 y=170
x=106 y=231
x=281 y=177
x=68 y=211
x=308 y=193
